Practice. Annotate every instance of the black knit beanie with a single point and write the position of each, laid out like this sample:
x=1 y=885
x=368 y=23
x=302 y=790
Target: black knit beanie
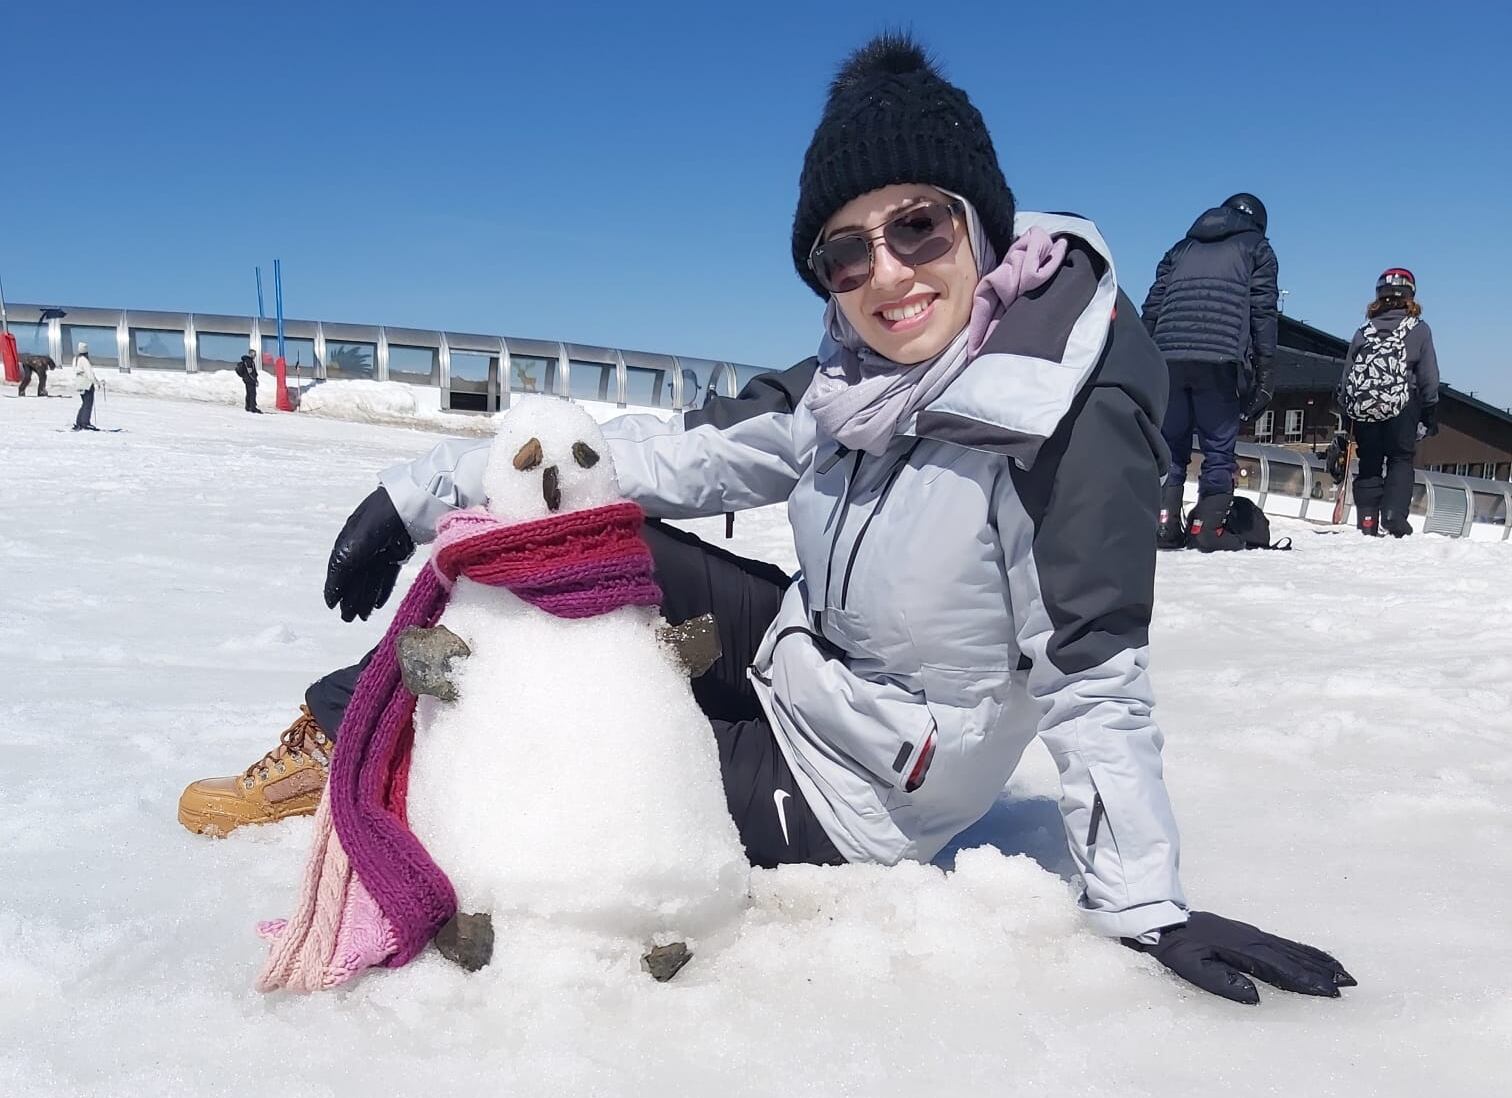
x=892 y=118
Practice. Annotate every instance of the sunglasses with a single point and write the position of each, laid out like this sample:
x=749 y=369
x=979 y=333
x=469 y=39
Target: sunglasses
x=918 y=235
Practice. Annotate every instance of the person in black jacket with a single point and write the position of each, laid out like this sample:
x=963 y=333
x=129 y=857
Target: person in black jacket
x=1212 y=312
x=246 y=369
x=1391 y=442
x=35 y=366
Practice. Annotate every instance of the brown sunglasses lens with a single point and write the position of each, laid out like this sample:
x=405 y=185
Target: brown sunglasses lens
x=920 y=235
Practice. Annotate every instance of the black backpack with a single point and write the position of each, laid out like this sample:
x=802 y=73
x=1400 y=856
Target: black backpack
x=1228 y=522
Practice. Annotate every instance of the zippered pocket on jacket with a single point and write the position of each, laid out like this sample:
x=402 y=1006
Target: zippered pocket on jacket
x=1097 y=818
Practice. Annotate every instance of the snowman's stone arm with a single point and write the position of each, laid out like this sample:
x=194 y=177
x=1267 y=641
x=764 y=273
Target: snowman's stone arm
x=425 y=659
x=693 y=643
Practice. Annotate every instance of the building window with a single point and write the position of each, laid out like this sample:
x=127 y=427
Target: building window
x=647 y=387
x=531 y=374
x=221 y=350
x=101 y=340
x=474 y=381
x=299 y=354
x=593 y=380
x=157 y=348
x=414 y=365
x=1265 y=427
x=1294 y=424
x=31 y=339
x=350 y=360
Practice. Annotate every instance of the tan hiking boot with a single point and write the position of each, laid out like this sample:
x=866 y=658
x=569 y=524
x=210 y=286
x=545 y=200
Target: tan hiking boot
x=285 y=782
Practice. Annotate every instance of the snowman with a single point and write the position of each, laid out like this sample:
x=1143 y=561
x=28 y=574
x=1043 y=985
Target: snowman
x=543 y=761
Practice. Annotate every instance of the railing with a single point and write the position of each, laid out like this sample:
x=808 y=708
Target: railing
x=474 y=373
x=1296 y=485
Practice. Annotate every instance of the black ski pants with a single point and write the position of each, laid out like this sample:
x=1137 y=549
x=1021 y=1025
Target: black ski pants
x=1386 y=450
x=82 y=421
x=776 y=824
x=251 y=395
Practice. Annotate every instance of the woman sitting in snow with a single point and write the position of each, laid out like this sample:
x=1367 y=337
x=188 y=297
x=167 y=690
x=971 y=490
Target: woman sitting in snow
x=970 y=467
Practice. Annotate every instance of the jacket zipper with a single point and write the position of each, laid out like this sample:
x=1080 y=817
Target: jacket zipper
x=829 y=573
x=892 y=479
x=1097 y=817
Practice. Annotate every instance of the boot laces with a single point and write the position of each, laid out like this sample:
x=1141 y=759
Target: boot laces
x=291 y=745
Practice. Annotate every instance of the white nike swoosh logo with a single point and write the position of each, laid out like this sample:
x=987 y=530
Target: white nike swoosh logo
x=782 y=813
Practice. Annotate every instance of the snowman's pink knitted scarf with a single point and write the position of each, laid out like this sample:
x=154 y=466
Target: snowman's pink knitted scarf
x=371 y=893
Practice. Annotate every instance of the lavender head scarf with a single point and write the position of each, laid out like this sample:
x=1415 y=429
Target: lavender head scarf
x=859 y=397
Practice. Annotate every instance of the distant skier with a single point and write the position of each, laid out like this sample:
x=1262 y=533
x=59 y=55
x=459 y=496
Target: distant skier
x=1212 y=312
x=1389 y=392
x=84 y=421
x=246 y=369
x=35 y=366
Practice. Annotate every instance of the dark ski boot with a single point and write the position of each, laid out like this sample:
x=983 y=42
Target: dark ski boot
x=1396 y=524
x=1367 y=499
x=1171 y=533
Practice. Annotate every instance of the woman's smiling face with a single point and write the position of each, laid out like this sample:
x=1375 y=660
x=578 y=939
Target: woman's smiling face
x=907 y=314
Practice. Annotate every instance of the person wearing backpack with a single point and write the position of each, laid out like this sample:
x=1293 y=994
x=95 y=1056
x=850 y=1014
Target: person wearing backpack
x=1212 y=311
x=1389 y=392
x=246 y=369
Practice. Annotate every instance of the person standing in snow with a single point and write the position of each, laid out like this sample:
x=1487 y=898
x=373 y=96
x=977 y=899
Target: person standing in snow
x=1212 y=311
x=970 y=470
x=84 y=371
x=1393 y=393
x=246 y=369
x=35 y=366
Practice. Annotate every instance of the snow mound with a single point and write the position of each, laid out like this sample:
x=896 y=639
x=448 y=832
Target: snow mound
x=365 y=401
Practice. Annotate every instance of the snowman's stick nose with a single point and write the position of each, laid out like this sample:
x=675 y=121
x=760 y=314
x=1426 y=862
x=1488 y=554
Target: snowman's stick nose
x=550 y=490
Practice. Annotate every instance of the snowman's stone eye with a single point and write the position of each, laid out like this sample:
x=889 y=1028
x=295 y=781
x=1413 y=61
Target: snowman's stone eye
x=529 y=456
x=584 y=455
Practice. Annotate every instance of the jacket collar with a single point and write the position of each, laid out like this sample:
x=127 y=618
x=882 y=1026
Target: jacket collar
x=1015 y=393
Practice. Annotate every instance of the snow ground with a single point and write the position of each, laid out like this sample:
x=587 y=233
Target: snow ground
x=1339 y=751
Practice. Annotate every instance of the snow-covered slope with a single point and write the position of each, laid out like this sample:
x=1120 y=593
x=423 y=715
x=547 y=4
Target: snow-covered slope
x=1339 y=724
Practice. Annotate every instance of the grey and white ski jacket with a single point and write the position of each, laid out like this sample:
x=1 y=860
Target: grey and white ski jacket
x=987 y=578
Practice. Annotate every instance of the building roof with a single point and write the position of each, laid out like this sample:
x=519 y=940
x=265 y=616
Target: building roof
x=1298 y=335
x=1502 y=414
x=1297 y=371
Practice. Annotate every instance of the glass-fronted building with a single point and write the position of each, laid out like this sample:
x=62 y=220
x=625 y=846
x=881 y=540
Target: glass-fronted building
x=473 y=372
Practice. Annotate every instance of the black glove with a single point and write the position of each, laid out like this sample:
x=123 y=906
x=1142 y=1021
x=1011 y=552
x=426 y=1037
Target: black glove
x=1260 y=392
x=1428 y=418
x=1214 y=953
x=366 y=557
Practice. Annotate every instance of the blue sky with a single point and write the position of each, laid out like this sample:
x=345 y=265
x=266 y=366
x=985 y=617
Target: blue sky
x=627 y=176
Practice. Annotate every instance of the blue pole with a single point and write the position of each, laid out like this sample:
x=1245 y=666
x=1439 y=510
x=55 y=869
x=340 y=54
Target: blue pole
x=261 y=312
x=278 y=302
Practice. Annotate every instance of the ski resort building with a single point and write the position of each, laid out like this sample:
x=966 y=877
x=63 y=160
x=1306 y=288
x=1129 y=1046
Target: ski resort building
x=454 y=371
